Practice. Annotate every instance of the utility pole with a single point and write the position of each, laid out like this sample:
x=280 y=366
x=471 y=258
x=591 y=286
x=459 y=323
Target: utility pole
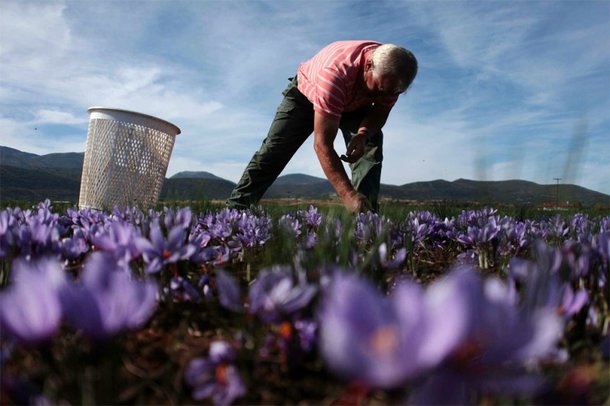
x=557 y=191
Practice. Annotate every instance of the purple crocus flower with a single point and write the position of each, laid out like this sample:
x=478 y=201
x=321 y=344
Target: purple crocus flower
x=555 y=229
x=544 y=285
x=275 y=294
x=108 y=300
x=312 y=217
x=474 y=217
x=571 y=301
x=6 y=233
x=480 y=239
x=181 y=290
x=44 y=214
x=582 y=227
x=218 y=225
x=234 y=229
x=37 y=239
x=252 y=231
x=500 y=341
x=465 y=336
x=515 y=237
x=204 y=253
x=122 y=241
x=30 y=308
x=601 y=244
x=419 y=227
x=229 y=292
x=385 y=260
x=291 y=224
x=181 y=217
x=369 y=338
x=75 y=246
x=216 y=376
x=370 y=226
x=162 y=252
x=85 y=221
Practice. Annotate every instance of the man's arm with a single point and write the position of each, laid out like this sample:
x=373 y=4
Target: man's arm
x=325 y=130
x=375 y=119
x=371 y=124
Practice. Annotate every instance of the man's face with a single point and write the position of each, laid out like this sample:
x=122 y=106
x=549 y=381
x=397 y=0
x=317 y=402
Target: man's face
x=382 y=86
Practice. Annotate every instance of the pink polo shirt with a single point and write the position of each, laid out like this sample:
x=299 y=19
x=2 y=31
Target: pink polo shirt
x=330 y=78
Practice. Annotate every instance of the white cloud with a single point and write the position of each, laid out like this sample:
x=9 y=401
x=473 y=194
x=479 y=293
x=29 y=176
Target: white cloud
x=26 y=28
x=39 y=56
x=45 y=116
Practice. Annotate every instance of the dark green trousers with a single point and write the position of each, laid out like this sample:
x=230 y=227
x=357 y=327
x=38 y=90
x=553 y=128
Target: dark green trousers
x=292 y=124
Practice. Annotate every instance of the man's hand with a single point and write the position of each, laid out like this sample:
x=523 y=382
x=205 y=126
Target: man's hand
x=355 y=148
x=325 y=131
x=356 y=202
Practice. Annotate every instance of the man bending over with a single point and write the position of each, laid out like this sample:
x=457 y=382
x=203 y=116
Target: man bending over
x=348 y=85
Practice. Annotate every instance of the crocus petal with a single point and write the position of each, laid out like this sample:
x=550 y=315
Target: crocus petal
x=30 y=309
x=229 y=292
x=547 y=330
x=449 y=303
x=109 y=301
x=360 y=334
x=233 y=389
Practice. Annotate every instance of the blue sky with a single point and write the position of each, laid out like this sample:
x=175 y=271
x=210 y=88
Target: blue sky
x=505 y=90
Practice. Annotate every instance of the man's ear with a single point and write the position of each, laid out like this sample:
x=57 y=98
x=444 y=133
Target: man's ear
x=368 y=65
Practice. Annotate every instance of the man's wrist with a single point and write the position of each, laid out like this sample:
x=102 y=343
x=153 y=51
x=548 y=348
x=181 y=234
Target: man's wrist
x=364 y=133
x=348 y=194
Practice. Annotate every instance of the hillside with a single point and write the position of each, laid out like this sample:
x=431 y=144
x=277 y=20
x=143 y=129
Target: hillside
x=300 y=186
x=506 y=191
x=24 y=184
x=196 y=175
x=19 y=159
x=26 y=177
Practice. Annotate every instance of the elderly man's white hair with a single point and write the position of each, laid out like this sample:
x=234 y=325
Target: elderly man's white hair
x=390 y=59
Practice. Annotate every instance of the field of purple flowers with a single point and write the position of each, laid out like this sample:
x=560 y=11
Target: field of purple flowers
x=242 y=307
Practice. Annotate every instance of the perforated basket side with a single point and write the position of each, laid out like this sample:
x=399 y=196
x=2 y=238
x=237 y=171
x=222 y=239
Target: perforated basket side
x=125 y=164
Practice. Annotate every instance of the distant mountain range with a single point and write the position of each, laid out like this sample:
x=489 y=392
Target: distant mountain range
x=30 y=177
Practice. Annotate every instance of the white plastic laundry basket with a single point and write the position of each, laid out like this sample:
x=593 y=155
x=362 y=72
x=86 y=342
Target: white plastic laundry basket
x=126 y=159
